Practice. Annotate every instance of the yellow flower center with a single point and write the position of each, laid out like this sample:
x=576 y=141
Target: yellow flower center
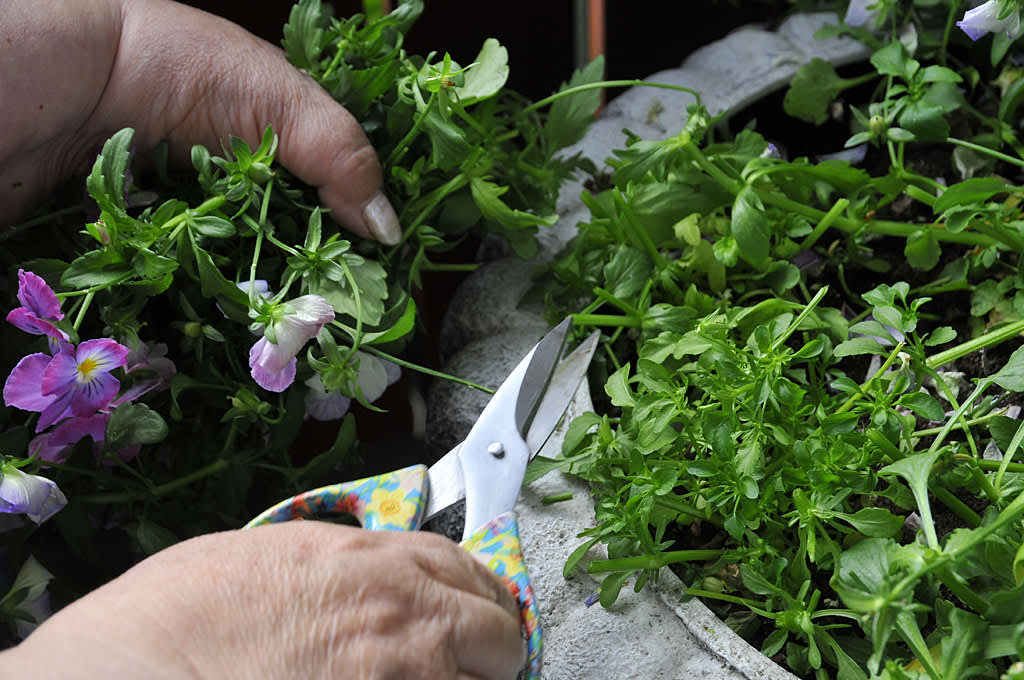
x=87 y=366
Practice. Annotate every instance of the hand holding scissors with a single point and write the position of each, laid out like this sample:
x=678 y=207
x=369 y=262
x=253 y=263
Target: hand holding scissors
x=486 y=468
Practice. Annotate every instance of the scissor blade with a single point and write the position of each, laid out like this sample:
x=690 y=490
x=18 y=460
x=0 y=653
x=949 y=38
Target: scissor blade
x=447 y=484
x=538 y=374
x=564 y=382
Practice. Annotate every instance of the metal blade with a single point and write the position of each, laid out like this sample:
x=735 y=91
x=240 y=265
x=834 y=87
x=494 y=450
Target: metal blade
x=538 y=373
x=564 y=382
x=447 y=484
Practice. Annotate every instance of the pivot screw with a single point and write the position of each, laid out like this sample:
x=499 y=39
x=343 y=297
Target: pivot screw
x=496 y=449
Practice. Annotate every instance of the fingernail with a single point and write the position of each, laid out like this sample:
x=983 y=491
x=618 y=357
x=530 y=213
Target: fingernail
x=382 y=221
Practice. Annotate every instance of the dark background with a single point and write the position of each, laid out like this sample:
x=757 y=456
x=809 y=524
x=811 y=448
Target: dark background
x=640 y=39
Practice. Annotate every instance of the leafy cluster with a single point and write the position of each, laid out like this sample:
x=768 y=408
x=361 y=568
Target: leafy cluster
x=796 y=414
x=259 y=310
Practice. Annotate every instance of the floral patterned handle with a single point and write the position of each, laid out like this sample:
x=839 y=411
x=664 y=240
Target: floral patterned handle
x=396 y=501
x=498 y=541
x=393 y=501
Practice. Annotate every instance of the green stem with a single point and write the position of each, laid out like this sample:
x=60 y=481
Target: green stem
x=604 y=84
x=985 y=150
x=994 y=337
x=865 y=388
x=653 y=561
x=423 y=369
x=824 y=223
x=612 y=320
x=42 y=219
x=162 y=490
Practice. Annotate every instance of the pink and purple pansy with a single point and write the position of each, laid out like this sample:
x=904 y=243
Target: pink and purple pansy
x=39 y=309
x=273 y=362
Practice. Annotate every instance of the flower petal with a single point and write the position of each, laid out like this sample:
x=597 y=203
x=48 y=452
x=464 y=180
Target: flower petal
x=27 y=321
x=274 y=381
x=37 y=296
x=37 y=497
x=23 y=388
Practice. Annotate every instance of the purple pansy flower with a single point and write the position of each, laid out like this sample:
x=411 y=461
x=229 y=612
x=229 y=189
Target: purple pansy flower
x=39 y=307
x=31 y=495
x=76 y=381
x=273 y=363
x=985 y=19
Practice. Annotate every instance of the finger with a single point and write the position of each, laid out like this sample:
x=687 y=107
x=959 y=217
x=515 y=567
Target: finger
x=485 y=640
x=447 y=562
x=216 y=80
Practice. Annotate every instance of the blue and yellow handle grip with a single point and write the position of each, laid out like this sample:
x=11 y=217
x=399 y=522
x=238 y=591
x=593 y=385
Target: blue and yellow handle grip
x=396 y=501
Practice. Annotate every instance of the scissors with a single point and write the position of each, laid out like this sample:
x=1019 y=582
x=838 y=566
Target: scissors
x=486 y=469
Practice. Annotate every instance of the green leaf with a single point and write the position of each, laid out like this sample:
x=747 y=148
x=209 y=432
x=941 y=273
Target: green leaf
x=148 y=265
x=750 y=227
x=96 y=268
x=978 y=189
x=303 y=35
x=926 y=121
x=627 y=273
x=212 y=226
x=1011 y=376
x=400 y=329
x=859 y=345
x=924 y=405
x=610 y=587
x=570 y=116
x=371 y=279
x=213 y=284
x=487 y=196
x=487 y=75
x=448 y=142
x=813 y=88
x=617 y=388
x=922 y=249
x=577 y=555
x=134 y=425
x=105 y=183
x=874 y=522
x=150 y=536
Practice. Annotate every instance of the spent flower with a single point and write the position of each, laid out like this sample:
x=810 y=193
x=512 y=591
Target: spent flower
x=31 y=495
x=988 y=18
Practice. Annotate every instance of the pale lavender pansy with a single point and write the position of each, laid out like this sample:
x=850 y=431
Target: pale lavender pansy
x=858 y=14
x=31 y=495
x=273 y=363
x=985 y=19
x=375 y=376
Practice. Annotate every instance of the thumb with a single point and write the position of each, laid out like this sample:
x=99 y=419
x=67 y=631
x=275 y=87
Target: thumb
x=209 y=78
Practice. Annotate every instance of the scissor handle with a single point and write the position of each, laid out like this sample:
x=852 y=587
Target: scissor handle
x=498 y=541
x=393 y=501
x=396 y=501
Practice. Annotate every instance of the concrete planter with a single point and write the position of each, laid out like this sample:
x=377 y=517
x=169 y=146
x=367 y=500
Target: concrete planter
x=651 y=634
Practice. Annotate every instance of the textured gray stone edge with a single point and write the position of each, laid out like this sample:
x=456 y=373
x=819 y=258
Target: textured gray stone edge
x=652 y=634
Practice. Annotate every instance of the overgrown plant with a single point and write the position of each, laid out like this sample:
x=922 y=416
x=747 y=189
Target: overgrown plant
x=161 y=356
x=810 y=383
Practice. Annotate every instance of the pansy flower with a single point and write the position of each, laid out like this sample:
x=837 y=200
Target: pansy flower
x=31 y=495
x=39 y=307
x=985 y=19
x=272 y=359
x=77 y=381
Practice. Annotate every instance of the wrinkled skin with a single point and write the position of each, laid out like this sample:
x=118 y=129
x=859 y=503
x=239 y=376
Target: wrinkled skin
x=73 y=73
x=294 y=600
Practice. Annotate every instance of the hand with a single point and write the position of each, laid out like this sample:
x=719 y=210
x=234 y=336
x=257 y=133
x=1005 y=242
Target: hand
x=299 y=599
x=73 y=73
